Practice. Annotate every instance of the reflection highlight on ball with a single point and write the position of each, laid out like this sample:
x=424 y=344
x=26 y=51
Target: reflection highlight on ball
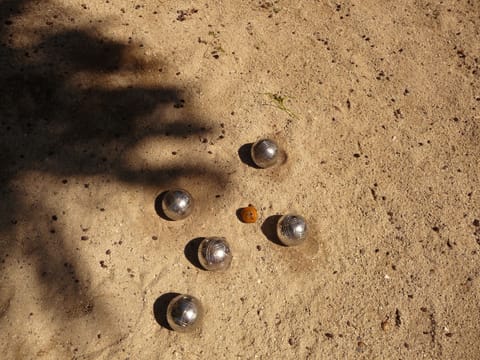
x=177 y=204
x=184 y=313
x=214 y=254
x=265 y=153
x=292 y=229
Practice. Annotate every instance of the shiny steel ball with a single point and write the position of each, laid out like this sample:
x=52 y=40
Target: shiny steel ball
x=214 y=254
x=177 y=204
x=184 y=313
x=265 y=153
x=291 y=229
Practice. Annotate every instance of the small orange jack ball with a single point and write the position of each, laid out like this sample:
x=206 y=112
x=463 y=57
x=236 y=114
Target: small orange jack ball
x=249 y=214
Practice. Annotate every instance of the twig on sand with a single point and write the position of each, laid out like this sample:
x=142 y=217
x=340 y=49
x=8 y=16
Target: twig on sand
x=278 y=100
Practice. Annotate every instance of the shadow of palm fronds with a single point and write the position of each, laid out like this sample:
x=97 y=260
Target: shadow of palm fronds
x=61 y=117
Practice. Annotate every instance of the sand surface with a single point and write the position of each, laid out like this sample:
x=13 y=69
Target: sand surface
x=106 y=104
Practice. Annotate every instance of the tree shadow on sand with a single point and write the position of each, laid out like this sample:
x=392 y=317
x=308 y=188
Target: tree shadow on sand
x=53 y=122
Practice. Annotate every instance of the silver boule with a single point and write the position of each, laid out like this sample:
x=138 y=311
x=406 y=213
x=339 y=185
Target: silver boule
x=214 y=254
x=184 y=313
x=177 y=204
x=291 y=229
x=265 y=153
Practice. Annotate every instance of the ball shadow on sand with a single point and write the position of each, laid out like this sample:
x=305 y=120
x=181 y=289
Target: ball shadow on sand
x=160 y=309
x=245 y=155
x=158 y=206
x=238 y=213
x=269 y=229
x=191 y=252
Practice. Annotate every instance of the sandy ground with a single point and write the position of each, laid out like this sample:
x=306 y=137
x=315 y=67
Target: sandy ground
x=106 y=104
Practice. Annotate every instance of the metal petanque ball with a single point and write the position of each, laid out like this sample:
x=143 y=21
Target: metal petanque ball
x=265 y=153
x=291 y=229
x=177 y=204
x=184 y=313
x=214 y=254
